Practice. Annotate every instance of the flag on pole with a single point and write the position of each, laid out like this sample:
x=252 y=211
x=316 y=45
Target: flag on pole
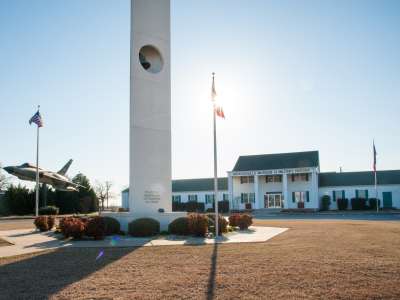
x=374 y=149
x=218 y=108
x=37 y=119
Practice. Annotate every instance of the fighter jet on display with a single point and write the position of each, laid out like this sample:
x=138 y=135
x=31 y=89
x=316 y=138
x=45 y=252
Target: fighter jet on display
x=58 y=180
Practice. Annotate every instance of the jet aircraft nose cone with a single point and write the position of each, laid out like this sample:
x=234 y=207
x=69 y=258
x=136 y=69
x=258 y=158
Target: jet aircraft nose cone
x=8 y=169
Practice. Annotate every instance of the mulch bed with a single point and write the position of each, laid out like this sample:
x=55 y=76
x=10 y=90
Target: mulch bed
x=312 y=260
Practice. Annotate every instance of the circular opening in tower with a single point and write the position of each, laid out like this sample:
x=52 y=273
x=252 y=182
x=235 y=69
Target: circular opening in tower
x=150 y=59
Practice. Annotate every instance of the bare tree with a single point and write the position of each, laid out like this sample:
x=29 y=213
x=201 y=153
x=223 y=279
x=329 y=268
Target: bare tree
x=100 y=190
x=108 y=185
x=4 y=180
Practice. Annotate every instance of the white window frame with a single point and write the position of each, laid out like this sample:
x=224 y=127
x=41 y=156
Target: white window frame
x=192 y=196
x=176 y=198
x=210 y=198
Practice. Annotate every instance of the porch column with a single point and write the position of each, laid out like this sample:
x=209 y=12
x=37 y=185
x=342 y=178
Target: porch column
x=285 y=191
x=314 y=201
x=230 y=191
x=256 y=196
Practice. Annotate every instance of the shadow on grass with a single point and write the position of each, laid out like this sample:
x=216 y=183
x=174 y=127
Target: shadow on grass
x=213 y=273
x=41 y=276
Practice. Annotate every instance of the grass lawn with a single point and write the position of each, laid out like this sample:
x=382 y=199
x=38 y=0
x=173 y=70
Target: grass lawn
x=313 y=260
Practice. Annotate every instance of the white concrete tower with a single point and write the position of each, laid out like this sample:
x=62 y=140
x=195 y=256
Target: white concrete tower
x=150 y=108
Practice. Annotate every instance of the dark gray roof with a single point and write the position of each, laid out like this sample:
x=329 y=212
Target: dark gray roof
x=196 y=185
x=277 y=161
x=358 y=178
x=200 y=184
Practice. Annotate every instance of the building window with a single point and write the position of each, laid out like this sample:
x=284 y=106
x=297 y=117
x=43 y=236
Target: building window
x=247 y=198
x=300 y=177
x=176 y=198
x=300 y=197
x=363 y=194
x=225 y=197
x=192 y=198
x=273 y=178
x=210 y=198
x=336 y=195
x=246 y=179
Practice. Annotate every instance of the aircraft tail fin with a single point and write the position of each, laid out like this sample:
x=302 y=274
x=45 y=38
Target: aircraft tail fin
x=64 y=169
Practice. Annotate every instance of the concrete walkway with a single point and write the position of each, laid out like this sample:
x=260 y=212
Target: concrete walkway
x=29 y=241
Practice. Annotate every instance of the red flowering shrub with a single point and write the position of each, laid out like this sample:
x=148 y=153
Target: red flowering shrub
x=96 y=228
x=72 y=227
x=245 y=221
x=234 y=220
x=198 y=224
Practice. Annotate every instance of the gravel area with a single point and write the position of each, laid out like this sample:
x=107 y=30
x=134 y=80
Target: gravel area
x=312 y=260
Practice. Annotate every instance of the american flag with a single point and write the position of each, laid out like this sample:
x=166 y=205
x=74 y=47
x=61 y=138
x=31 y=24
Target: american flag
x=218 y=108
x=37 y=119
x=374 y=149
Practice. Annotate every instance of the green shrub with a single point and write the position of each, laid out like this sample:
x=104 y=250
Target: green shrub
x=96 y=228
x=112 y=226
x=195 y=206
x=245 y=221
x=358 y=203
x=144 y=227
x=72 y=227
x=48 y=210
x=41 y=223
x=223 y=206
x=198 y=224
x=210 y=210
x=342 y=203
x=372 y=203
x=179 y=226
x=326 y=202
x=222 y=224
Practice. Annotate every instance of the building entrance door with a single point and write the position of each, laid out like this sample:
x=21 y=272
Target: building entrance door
x=273 y=200
x=387 y=199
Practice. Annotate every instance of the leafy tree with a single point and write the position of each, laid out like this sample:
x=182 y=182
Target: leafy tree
x=20 y=200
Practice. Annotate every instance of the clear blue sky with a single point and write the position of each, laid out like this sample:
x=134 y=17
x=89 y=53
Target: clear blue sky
x=293 y=76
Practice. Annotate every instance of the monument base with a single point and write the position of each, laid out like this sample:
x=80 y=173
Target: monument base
x=125 y=218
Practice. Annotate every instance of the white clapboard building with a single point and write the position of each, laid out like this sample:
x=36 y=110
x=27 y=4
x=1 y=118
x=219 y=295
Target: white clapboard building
x=286 y=181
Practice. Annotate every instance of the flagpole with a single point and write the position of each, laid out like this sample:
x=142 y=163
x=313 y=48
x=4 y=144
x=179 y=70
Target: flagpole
x=37 y=171
x=215 y=166
x=376 y=194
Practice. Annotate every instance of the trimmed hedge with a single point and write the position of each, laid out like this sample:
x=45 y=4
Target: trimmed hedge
x=222 y=224
x=358 y=203
x=188 y=206
x=179 y=226
x=342 y=203
x=96 y=228
x=112 y=226
x=48 y=210
x=325 y=202
x=372 y=203
x=198 y=224
x=44 y=223
x=243 y=221
x=73 y=227
x=223 y=206
x=144 y=227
